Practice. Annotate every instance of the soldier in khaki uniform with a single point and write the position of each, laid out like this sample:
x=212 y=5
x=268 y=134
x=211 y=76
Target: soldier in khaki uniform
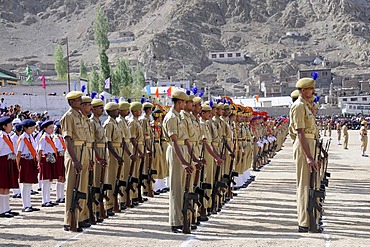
x=124 y=110
x=74 y=134
x=176 y=158
x=88 y=164
x=100 y=147
x=304 y=126
x=114 y=144
x=363 y=138
x=345 y=135
x=137 y=140
x=339 y=132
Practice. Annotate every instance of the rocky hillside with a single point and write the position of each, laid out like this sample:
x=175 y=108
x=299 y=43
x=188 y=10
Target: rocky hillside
x=174 y=37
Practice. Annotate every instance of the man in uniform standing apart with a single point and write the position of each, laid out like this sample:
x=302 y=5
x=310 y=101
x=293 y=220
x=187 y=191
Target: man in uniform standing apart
x=339 y=132
x=176 y=158
x=304 y=128
x=345 y=135
x=363 y=136
x=74 y=134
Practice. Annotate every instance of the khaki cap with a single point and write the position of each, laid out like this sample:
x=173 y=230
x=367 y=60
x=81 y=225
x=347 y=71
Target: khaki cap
x=97 y=102
x=206 y=107
x=73 y=95
x=123 y=106
x=111 y=106
x=220 y=106
x=364 y=122
x=148 y=105
x=86 y=99
x=294 y=94
x=135 y=106
x=305 y=83
x=178 y=94
x=197 y=100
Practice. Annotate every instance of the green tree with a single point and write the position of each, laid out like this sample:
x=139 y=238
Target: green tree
x=94 y=81
x=121 y=77
x=83 y=69
x=139 y=76
x=60 y=63
x=101 y=29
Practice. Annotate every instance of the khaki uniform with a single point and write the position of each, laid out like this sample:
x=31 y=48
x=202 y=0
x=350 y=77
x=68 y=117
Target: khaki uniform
x=228 y=135
x=114 y=135
x=363 y=139
x=136 y=132
x=172 y=125
x=249 y=148
x=210 y=163
x=100 y=140
x=148 y=135
x=345 y=136
x=302 y=118
x=122 y=123
x=339 y=132
x=72 y=124
x=157 y=151
x=90 y=138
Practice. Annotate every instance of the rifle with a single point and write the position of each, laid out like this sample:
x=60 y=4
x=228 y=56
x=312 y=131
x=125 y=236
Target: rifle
x=187 y=198
x=131 y=180
x=217 y=184
x=119 y=183
x=229 y=178
x=200 y=190
x=91 y=197
x=142 y=177
x=313 y=195
x=76 y=196
x=102 y=189
x=151 y=171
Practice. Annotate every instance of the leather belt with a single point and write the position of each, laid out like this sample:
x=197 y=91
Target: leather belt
x=116 y=144
x=147 y=138
x=156 y=141
x=180 y=143
x=309 y=136
x=100 y=145
x=228 y=139
x=248 y=140
x=89 y=144
x=78 y=143
x=241 y=140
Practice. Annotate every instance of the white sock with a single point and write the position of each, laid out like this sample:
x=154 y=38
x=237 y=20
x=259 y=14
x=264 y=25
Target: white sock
x=157 y=184
x=40 y=183
x=26 y=195
x=45 y=187
x=6 y=203
x=238 y=181
x=16 y=191
x=58 y=191
x=2 y=198
x=61 y=195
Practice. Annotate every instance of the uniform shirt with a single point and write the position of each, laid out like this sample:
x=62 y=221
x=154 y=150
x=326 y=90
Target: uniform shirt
x=73 y=125
x=21 y=145
x=345 y=130
x=172 y=125
x=363 y=132
x=58 y=140
x=45 y=146
x=226 y=129
x=301 y=117
x=98 y=130
x=112 y=130
x=4 y=148
x=216 y=138
x=122 y=123
x=217 y=122
x=145 y=125
x=90 y=134
x=206 y=133
x=136 y=131
x=189 y=126
x=197 y=129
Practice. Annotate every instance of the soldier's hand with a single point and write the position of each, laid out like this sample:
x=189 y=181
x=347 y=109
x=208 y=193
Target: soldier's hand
x=188 y=169
x=133 y=157
x=232 y=155
x=199 y=166
x=77 y=165
x=91 y=165
x=120 y=160
x=219 y=162
x=102 y=162
x=311 y=162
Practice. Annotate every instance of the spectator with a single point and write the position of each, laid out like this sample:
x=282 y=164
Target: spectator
x=3 y=106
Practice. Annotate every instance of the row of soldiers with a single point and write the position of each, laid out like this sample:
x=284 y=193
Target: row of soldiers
x=142 y=149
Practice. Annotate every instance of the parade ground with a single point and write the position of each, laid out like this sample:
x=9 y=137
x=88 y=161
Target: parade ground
x=263 y=214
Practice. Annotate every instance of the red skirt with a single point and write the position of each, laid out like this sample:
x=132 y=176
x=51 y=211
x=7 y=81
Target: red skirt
x=28 y=171
x=47 y=169
x=60 y=170
x=8 y=173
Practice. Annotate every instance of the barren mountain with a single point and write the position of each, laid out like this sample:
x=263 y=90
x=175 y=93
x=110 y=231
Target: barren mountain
x=174 y=37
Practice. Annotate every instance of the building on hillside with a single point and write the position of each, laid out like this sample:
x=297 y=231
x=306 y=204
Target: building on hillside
x=223 y=56
x=324 y=79
x=7 y=78
x=355 y=104
x=284 y=101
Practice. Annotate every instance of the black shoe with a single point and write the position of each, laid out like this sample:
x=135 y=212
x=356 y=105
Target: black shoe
x=202 y=218
x=67 y=228
x=156 y=193
x=27 y=210
x=176 y=229
x=135 y=203
x=48 y=205
x=83 y=224
x=235 y=194
x=54 y=203
x=17 y=195
x=6 y=215
x=123 y=206
x=236 y=188
x=34 y=192
x=110 y=212
x=302 y=229
x=159 y=191
x=256 y=170
x=145 y=193
x=13 y=213
x=35 y=209
x=39 y=189
x=193 y=227
x=63 y=200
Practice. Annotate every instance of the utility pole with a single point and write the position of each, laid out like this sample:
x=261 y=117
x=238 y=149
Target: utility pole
x=69 y=77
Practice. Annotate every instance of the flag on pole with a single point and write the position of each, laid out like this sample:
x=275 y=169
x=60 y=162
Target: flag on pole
x=28 y=74
x=75 y=85
x=147 y=89
x=257 y=97
x=157 y=93
x=43 y=82
x=107 y=83
x=169 y=91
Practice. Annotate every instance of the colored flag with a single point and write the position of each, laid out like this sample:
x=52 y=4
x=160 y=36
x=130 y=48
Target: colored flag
x=148 y=91
x=257 y=97
x=28 y=74
x=75 y=85
x=107 y=83
x=157 y=93
x=43 y=82
x=169 y=91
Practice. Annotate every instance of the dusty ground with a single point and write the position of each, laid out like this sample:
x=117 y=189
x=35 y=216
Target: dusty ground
x=264 y=214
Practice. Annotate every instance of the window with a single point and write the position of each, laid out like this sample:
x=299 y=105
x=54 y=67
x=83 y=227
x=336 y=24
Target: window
x=229 y=55
x=304 y=74
x=238 y=55
x=353 y=99
x=344 y=99
x=324 y=73
x=222 y=55
x=214 y=55
x=364 y=99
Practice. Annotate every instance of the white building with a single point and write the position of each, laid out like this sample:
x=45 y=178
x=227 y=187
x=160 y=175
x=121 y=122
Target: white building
x=355 y=104
x=284 y=101
x=223 y=56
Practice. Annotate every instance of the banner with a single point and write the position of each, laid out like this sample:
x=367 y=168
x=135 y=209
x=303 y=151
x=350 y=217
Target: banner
x=43 y=82
x=147 y=89
x=107 y=84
